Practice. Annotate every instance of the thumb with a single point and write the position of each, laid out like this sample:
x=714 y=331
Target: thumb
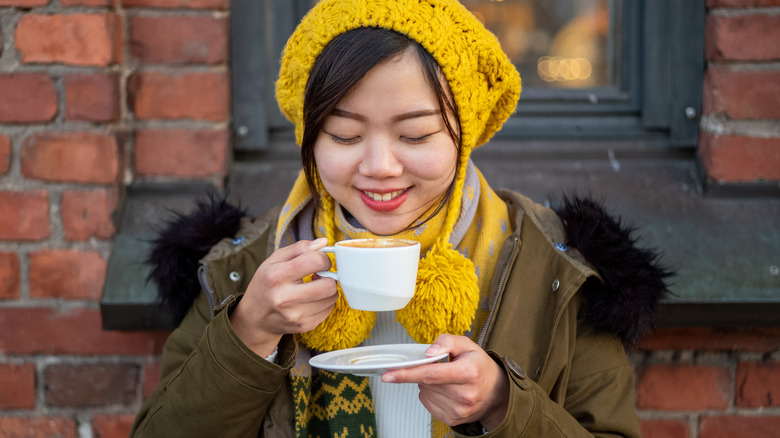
x=454 y=345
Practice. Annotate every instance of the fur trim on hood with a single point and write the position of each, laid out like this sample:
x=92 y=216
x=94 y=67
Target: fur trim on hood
x=634 y=278
x=181 y=242
x=626 y=305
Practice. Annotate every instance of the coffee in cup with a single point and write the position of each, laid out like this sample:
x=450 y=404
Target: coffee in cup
x=375 y=274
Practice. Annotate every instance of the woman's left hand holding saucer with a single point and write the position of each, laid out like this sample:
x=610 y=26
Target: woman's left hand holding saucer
x=470 y=387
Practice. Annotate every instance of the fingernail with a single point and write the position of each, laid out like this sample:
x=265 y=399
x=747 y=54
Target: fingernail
x=432 y=350
x=317 y=243
x=388 y=378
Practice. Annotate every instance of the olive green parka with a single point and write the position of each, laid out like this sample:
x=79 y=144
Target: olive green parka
x=547 y=326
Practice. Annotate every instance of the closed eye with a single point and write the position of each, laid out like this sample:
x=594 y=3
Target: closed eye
x=341 y=140
x=416 y=140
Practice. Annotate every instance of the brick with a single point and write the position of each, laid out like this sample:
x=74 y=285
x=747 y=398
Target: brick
x=710 y=339
x=83 y=385
x=5 y=154
x=64 y=273
x=92 y=97
x=18 y=383
x=682 y=387
x=112 y=426
x=735 y=158
x=729 y=426
x=24 y=215
x=71 y=157
x=741 y=3
x=9 y=276
x=76 y=39
x=88 y=213
x=742 y=94
x=751 y=37
x=758 y=384
x=194 y=4
x=201 y=96
x=24 y=3
x=97 y=3
x=27 y=97
x=664 y=429
x=29 y=427
x=151 y=375
x=77 y=331
x=179 y=40
x=181 y=153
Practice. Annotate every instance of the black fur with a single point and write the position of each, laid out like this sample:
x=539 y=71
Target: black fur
x=181 y=242
x=634 y=279
x=625 y=305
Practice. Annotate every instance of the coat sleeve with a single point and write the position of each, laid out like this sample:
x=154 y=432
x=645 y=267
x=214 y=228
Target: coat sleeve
x=210 y=379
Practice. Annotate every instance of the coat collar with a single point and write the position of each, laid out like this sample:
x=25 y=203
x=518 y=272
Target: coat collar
x=624 y=302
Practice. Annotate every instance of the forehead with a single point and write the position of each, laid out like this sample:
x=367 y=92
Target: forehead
x=399 y=83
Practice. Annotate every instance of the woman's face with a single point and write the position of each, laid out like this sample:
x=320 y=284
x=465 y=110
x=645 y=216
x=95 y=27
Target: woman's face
x=384 y=153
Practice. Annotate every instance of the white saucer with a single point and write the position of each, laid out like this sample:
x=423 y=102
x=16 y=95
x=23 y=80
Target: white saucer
x=374 y=359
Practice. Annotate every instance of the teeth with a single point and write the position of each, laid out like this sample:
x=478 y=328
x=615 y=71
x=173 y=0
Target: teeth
x=383 y=197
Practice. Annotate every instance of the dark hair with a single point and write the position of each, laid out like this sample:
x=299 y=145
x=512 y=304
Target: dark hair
x=341 y=65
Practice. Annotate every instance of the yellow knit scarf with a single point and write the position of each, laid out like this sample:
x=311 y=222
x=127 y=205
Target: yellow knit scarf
x=452 y=284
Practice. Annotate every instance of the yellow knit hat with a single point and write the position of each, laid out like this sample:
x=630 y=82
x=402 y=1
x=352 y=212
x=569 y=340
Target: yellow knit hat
x=485 y=86
x=484 y=82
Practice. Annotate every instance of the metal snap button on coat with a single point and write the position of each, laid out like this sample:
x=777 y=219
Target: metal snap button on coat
x=235 y=276
x=560 y=246
x=515 y=368
x=555 y=285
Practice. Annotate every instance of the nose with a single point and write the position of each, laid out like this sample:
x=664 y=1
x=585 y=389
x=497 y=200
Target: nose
x=380 y=160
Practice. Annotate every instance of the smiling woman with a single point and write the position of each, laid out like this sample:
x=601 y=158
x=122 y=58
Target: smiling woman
x=389 y=99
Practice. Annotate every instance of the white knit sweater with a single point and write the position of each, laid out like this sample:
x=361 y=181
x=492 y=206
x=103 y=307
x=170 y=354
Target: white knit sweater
x=399 y=412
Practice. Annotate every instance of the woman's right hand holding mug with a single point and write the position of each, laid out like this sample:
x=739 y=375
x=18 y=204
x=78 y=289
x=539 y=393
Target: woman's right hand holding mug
x=278 y=302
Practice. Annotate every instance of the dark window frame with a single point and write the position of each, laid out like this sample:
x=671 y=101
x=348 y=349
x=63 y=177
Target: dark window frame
x=658 y=98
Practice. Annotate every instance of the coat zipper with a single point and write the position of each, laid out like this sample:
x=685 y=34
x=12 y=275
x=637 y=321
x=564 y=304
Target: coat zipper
x=204 y=283
x=483 y=332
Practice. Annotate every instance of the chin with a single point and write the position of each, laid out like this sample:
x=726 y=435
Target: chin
x=384 y=229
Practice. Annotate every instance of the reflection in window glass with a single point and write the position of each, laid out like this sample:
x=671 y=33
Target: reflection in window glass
x=555 y=43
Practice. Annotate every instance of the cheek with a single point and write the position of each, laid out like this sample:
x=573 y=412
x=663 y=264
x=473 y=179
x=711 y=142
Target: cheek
x=439 y=167
x=331 y=167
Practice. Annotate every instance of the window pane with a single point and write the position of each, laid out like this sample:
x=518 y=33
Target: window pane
x=556 y=43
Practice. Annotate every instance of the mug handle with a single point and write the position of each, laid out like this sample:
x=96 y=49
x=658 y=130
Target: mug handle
x=329 y=274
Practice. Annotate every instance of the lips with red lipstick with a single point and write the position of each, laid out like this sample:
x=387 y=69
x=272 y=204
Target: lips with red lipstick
x=383 y=200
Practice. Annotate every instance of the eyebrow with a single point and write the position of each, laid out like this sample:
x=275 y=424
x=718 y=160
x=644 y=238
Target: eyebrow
x=405 y=116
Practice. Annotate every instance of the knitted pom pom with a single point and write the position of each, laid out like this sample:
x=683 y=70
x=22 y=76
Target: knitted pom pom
x=345 y=327
x=446 y=298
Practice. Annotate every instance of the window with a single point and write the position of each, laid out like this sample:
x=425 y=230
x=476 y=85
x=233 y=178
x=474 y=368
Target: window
x=628 y=70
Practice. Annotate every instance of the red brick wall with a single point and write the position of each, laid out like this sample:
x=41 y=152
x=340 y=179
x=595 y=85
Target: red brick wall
x=708 y=383
x=740 y=141
x=95 y=94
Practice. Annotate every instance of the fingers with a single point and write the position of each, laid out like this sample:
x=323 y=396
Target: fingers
x=298 y=248
x=303 y=254
x=320 y=290
x=458 y=347
x=471 y=387
x=294 y=262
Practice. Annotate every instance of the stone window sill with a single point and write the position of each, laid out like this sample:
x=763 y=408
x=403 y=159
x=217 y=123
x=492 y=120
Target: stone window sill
x=726 y=248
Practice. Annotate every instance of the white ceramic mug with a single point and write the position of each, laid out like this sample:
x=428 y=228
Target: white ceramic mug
x=375 y=274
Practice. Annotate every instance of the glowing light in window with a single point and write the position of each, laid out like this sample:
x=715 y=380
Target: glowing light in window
x=560 y=69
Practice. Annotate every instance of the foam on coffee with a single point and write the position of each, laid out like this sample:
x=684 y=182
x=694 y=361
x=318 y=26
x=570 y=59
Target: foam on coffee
x=376 y=243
